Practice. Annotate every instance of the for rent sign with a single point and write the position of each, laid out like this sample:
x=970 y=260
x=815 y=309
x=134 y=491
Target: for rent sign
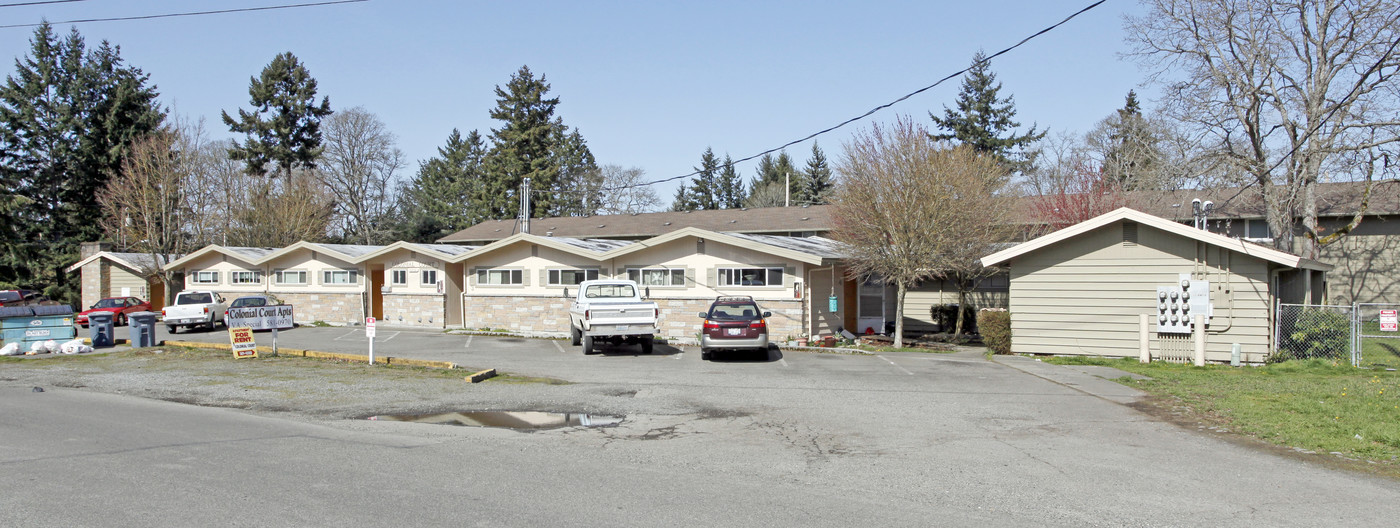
x=242 y=341
x=261 y=317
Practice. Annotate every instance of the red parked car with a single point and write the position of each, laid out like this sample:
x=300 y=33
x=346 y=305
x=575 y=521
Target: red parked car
x=118 y=306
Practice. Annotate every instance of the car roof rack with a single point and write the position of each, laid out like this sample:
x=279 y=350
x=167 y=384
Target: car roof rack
x=734 y=298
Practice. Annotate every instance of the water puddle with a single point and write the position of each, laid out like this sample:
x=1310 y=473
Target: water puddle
x=518 y=420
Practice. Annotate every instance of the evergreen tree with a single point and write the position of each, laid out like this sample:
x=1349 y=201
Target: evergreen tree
x=523 y=147
x=770 y=187
x=576 y=189
x=67 y=119
x=284 y=129
x=449 y=192
x=731 y=193
x=1132 y=155
x=817 y=184
x=984 y=120
x=684 y=200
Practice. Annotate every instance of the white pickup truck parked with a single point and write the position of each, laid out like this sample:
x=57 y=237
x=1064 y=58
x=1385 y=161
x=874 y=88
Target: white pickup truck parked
x=612 y=311
x=194 y=308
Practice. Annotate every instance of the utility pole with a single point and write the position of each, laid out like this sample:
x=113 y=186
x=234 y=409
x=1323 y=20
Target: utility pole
x=787 y=189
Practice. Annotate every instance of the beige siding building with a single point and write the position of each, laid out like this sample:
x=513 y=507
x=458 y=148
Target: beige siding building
x=1083 y=290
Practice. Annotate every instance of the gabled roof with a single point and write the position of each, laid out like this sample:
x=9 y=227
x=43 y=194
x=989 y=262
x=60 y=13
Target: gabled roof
x=443 y=252
x=251 y=255
x=141 y=262
x=643 y=225
x=811 y=249
x=1126 y=214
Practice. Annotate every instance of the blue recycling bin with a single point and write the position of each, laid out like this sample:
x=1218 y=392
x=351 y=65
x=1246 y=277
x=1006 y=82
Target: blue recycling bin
x=143 y=328
x=100 y=327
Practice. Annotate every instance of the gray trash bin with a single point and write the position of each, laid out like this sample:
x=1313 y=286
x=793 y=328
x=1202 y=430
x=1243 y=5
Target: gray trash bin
x=143 y=328
x=100 y=324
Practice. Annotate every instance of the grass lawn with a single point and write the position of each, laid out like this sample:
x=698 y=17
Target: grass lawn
x=1312 y=405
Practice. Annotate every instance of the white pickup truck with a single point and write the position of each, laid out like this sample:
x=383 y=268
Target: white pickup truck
x=194 y=308
x=612 y=311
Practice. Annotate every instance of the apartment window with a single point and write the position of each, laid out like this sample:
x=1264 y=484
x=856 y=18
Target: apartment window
x=290 y=277
x=751 y=276
x=245 y=277
x=398 y=277
x=428 y=277
x=206 y=277
x=561 y=277
x=502 y=277
x=657 y=276
x=340 y=277
x=1256 y=229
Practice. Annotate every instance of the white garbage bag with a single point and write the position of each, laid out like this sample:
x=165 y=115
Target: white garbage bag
x=36 y=347
x=51 y=346
x=72 y=347
x=10 y=349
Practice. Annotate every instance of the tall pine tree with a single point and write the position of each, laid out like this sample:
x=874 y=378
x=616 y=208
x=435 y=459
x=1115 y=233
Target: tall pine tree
x=731 y=192
x=576 y=189
x=817 y=184
x=523 y=147
x=770 y=186
x=1132 y=155
x=284 y=128
x=449 y=192
x=985 y=121
x=67 y=119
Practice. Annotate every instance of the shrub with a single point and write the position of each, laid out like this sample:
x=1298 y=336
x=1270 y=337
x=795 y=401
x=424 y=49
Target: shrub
x=946 y=315
x=1316 y=334
x=996 y=330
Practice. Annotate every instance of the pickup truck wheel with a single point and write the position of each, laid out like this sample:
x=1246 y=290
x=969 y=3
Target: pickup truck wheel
x=172 y=329
x=647 y=345
x=587 y=344
x=574 y=335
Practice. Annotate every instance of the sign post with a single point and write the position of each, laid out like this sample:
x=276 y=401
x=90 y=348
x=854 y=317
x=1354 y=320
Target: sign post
x=1390 y=320
x=241 y=339
x=369 y=333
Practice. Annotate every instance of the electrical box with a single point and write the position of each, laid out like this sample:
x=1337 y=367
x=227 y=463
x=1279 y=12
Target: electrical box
x=1178 y=305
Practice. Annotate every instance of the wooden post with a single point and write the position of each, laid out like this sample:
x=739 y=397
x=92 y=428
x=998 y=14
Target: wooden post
x=1200 y=334
x=1144 y=353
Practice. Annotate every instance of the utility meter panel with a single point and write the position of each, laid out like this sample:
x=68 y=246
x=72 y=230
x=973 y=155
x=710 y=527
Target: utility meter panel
x=1178 y=304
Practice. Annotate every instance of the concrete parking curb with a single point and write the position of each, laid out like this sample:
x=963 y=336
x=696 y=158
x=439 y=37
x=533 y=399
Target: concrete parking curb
x=386 y=360
x=88 y=341
x=481 y=376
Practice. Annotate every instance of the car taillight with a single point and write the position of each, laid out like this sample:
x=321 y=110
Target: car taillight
x=206 y=309
x=162 y=312
x=586 y=314
x=759 y=324
x=710 y=325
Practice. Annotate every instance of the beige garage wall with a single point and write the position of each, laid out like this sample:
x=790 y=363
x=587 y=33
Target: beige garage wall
x=1084 y=295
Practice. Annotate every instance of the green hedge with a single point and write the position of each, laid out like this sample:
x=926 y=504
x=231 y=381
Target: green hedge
x=996 y=330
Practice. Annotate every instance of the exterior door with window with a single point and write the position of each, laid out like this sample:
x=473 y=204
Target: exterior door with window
x=870 y=314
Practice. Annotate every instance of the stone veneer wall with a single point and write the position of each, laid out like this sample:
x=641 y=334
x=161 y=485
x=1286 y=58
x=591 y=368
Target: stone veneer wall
x=96 y=281
x=328 y=307
x=549 y=315
x=415 y=310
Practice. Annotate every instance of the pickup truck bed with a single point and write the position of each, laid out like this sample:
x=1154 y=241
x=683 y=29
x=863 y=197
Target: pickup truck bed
x=611 y=311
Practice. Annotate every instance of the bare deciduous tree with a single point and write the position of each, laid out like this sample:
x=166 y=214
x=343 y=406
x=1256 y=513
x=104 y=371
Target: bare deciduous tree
x=909 y=208
x=1283 y=89
x=280 y=212
x=1086 y=193
x=142 y=206
x=359 y=166
x=629 y=196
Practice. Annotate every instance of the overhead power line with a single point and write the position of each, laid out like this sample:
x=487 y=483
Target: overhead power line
x=191 y=13
x=872 y=111
x=41 y=3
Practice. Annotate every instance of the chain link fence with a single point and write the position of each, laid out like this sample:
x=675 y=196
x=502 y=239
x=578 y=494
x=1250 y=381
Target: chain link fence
x=1378 y=335
x=1316 y=331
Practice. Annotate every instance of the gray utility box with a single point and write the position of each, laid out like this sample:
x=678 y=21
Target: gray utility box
x=100 y=325
x=143 y=328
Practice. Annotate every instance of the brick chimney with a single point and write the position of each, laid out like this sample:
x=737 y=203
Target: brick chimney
x=88 y=249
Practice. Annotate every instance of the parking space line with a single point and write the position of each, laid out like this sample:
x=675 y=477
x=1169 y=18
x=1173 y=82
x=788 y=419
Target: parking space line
x=679 y=354
x=388 y=337
x=558 y=346
x=352 y=333
x=784 y=363
x=469 y=342
x=896 y=365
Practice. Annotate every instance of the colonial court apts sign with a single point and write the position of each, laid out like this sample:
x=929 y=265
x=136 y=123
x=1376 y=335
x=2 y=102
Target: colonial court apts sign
x=261 y=317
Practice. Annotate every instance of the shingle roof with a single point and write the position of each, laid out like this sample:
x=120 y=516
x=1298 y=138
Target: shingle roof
x=821 y=247
x=642 y=225
x=1333 y=199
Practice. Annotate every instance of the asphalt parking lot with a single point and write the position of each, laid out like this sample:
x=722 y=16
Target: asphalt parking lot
x=808 y=438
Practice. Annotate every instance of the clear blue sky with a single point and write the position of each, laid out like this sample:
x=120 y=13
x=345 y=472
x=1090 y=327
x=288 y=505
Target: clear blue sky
x=649 y=84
